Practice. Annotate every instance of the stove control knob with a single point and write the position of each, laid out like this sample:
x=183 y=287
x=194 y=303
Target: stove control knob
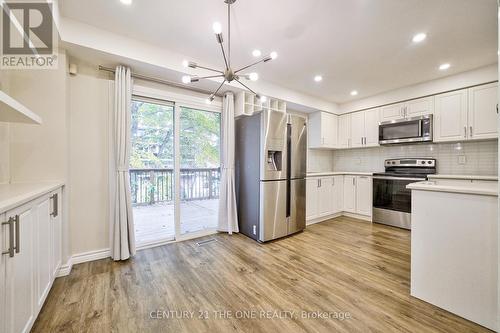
x=429 y=162
x=423 y=162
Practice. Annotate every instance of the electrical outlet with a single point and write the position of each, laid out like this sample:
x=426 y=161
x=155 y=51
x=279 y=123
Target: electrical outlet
x=254 y=229
x=462 y=159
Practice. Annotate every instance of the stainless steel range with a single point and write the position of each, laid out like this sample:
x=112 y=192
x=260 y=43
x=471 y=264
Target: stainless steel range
x=391 y=198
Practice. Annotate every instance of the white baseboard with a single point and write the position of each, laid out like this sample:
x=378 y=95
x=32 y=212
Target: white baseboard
x=81 y=258
x=328 y=217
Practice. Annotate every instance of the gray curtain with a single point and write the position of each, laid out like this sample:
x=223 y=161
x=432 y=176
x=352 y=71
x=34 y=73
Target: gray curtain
x=122 y=228
x=228 y=217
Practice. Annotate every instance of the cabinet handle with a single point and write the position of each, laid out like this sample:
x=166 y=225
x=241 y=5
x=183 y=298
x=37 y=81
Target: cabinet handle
x=18 y=241
x=465 y=131
x=497 y=108
x=55 y=205
x=471 y=131
x=333 y=181
x=353 y=181
x=10 y=251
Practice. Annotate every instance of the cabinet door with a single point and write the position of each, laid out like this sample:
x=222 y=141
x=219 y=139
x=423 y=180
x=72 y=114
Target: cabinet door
x=338 y=194
x=312 y=198
x=325 y=203
x=20 y=275
x=419 y=107
x=391 y=112
x=357 y=129
x=344 y=131
x=350 y=194
x=364 y=195
x=450 y=116
x=483 y=123
x=56 y=224
x=329 y=130
x=43 y=251
x=314 y=139
x=372 y=120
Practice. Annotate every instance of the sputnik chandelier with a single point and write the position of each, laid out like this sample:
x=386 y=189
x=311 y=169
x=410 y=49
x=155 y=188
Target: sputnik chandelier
x=228 y=74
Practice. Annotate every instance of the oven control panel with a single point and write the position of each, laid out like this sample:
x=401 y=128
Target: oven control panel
x=411 y=162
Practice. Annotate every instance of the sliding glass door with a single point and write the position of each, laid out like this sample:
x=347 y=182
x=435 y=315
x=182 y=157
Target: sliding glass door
x=199 y=181
x=152 y=171
x=174 y=170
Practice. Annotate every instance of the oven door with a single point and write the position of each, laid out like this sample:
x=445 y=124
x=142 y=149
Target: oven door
x=390 y=193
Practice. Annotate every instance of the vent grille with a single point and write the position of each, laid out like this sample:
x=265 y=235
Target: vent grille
x=206 y=241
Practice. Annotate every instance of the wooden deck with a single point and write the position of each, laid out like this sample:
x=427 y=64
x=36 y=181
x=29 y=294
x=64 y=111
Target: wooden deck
x=156 y=222
x=339 y=268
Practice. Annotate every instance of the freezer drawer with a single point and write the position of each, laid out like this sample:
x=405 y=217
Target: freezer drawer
x=272 y=210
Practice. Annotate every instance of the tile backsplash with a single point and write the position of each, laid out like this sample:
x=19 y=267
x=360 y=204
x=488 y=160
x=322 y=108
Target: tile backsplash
x=479 y=158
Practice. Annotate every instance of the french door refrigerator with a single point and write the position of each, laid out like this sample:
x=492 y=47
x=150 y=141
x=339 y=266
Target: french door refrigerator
x=270 y=162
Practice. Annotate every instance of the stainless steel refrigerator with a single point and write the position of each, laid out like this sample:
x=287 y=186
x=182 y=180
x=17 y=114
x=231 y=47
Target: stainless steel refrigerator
x=271 y=152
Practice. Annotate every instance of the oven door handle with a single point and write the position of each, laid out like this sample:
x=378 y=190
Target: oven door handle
x=399 y=178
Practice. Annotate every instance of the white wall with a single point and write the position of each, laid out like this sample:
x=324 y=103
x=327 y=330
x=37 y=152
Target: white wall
x=466 y=79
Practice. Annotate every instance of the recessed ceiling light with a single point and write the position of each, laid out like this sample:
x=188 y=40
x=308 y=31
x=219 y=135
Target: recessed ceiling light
x=444 y=67
x=273 y=55
x=256 y=53
x=318 y=78
x=420 y=37
x=354 y=93
x=126 y=2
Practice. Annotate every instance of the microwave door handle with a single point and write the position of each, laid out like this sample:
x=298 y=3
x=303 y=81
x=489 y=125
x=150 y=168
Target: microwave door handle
x=420 y=125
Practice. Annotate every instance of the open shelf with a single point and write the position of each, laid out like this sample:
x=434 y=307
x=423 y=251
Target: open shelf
x=12 y=111
x=247 y=104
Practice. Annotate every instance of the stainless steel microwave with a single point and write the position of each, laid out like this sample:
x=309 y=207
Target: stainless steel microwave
x=408 y=130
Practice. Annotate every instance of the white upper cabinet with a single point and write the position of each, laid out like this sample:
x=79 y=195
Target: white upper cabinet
x=482 y=115
x=419 y=107
x=467 y=114
x=322 y=131
x=450 y=116
x=364 y=128
x=372 y=119
x=391 y=112
x=344 y=130
x=357 y=129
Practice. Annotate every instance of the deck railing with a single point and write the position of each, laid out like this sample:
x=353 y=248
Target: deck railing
x=149 y=186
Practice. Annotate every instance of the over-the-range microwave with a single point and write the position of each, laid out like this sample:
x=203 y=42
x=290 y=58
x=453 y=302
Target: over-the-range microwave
x=408 y=130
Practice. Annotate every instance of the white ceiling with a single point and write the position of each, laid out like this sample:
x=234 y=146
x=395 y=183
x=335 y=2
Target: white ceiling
x=354 y=44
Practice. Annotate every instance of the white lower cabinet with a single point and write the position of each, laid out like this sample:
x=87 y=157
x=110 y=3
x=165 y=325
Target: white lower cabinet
x=30 y=240
x=364 y=188
x=312 y=185
x=350 y=194
x=324 y=196
x=337 y=198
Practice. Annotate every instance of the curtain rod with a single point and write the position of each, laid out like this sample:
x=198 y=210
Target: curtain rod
x=156 y=80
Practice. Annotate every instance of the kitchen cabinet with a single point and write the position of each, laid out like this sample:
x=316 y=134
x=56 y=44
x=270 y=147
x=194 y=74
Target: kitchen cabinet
x=20 y=268
x=450 y=116
x=364 y=128
x=337 y=198
x=364 y=195
x=312 y=185
x=482 y=113
x=30 y=238
x=325 y=192
x=350 y=194
x=417 y=107
x=322 y=132
x=344 y=131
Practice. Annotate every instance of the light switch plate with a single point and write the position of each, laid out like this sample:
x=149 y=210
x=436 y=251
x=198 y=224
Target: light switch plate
x=462 y=159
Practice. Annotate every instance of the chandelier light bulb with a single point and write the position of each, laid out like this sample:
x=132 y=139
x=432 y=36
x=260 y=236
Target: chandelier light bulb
x=186 y=79
x=217 y=28
x=253 y=76
x=256 y=53
x=273 y=55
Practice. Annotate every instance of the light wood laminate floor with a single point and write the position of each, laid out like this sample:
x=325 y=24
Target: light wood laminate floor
x=339 y=267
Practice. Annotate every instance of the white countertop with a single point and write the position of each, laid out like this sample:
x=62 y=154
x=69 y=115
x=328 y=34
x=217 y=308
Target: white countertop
x=466 y=177
x=338 y=173
x=14 y=195
x=459 y=187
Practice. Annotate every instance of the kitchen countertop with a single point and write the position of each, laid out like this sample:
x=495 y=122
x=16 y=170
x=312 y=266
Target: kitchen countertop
x=468 y=188
x=14 y=195
x=466 y=177
x=337 y=173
